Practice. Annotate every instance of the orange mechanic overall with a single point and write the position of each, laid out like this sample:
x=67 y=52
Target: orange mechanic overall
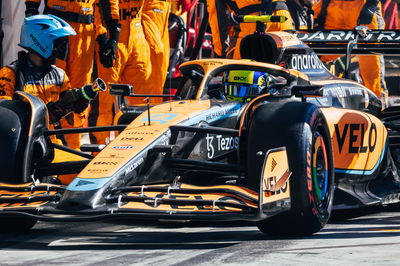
x=226 y=39
x=79 y=65
x=132 y=66
x=155 y=25
x=340 y=14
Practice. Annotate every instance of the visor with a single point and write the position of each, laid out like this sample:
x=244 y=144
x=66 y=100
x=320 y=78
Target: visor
x=241 y=90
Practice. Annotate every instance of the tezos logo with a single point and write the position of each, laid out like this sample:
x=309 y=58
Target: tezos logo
x=124 y=147
x=222 y=143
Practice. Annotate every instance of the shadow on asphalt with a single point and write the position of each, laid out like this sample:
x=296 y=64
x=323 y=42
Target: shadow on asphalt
x=166 y=235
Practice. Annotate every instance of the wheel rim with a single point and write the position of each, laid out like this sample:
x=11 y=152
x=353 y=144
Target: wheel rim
x=320 y=168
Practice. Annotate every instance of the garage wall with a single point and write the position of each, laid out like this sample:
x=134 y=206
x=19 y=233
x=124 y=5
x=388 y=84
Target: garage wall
x=13 y=17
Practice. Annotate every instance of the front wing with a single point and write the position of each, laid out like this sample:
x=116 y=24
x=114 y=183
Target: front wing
x=161 y=201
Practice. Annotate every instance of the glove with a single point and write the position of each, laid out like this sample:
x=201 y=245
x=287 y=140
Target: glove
x=367 y=12
x=107 y=50
x=56 y=111
x=108 y=47
x=32 y=8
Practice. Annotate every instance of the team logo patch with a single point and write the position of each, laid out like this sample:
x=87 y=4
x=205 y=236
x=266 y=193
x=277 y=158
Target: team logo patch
x=123 y=147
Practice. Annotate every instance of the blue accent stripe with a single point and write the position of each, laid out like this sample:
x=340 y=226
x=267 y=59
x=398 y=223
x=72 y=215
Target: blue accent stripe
x=87 y=184
x=363 y=172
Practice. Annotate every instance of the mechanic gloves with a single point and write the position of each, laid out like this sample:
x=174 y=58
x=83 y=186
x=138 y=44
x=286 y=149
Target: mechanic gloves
x=367 y=12
x=108 y=47
x=32 y=8
x=74 y=100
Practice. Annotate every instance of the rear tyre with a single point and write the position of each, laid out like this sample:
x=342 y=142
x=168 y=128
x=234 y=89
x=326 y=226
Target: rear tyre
x=310 y=159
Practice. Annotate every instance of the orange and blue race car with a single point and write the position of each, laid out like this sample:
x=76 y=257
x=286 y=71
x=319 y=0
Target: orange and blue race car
x=281 y=151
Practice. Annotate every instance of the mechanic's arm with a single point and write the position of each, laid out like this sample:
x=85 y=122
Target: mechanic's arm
x=70 y=100
x=32 y=7
x=7 y=83
x=107 y=14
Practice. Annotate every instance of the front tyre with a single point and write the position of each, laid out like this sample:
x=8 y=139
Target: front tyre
x=310 y=159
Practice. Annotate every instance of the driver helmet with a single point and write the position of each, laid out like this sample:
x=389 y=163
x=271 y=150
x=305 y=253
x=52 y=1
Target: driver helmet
x=46 y=35
x=243 y=85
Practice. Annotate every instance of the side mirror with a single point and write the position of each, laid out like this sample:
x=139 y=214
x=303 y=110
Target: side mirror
x=121 y=89
x=307 y=91
x=362 y=31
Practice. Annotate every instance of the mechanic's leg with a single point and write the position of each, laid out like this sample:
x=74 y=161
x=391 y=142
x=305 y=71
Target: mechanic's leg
x=138 y=67
x=102 y=113
x=79 y=67
x=155 y=27
x=372 y=72
x=372 y=68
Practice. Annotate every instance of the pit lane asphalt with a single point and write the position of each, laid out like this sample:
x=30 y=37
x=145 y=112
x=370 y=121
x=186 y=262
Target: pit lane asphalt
x=370 y=239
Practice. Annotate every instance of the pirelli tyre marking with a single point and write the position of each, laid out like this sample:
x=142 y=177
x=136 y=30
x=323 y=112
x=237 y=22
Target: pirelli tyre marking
x=275 y=176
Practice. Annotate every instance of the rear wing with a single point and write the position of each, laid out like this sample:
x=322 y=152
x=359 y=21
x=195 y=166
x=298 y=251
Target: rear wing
x=385 y=42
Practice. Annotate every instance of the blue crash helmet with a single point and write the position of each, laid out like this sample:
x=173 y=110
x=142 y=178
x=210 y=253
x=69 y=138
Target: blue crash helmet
x=243 y=85
x=42 y=34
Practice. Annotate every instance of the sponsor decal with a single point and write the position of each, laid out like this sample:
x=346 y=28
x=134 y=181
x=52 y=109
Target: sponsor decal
x=97 y=171
x=111 y=156
x=345 y=36
x=212 y=63
x=132 y=138
x=355 y=133
x=123 y=147
x=223 y=112
x=270 y=183
x=105 y=163
x=59 y=7
x=134 y=166
x=218 y=143
x=37 y=43
x=303 y=62
x=128 y=132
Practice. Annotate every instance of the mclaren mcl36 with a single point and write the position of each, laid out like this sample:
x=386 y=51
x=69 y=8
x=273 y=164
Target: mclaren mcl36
x=283 y=159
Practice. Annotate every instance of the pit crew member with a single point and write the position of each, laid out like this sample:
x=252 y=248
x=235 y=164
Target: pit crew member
x=227 y=34
x=79 y=62
x=337 y=14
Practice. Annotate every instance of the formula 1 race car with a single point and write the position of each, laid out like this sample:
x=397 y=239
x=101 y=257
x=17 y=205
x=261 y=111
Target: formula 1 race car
x=275 y=156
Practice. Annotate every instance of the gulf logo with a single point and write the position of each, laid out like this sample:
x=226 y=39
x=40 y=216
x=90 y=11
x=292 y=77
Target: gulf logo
x=123 y=147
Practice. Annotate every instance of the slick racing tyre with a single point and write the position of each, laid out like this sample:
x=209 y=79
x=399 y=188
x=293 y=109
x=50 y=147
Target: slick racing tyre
x=301 y=128
x=12 y=224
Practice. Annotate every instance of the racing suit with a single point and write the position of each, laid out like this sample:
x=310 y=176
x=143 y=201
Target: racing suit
x=50 y=84
x=226 y=38
x=339 y=14
x=132 y=66
x=80 y=15
x=155 y=25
